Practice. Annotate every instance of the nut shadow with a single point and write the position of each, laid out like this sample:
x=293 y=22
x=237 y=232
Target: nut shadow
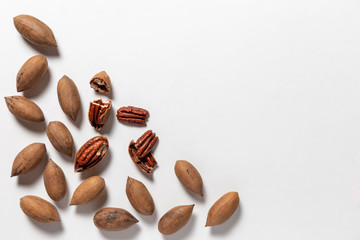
x=129 y=233
x=35 y=174
x=196 y=196
x=43 y=84
x=92 y=207
x=53 y=228
x=132 y=124
x=109 y=124
x=35 y=127
x=79 y=117
x=99 y=168
x=47 y=51
x=66 y=157
x=225 y=228
x=149 y=177
x=149 y=219
x=185 y=232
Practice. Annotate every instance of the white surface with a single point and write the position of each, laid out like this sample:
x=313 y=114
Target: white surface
x=263 y=97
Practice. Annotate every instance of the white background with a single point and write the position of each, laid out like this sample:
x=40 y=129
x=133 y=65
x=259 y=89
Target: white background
x=263 y=97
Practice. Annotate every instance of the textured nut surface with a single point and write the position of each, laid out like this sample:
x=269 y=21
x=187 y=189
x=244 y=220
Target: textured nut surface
x=34 y=30
x=39 y=209
x=88 y=191
x=132 y=115
x=54 y=180
x=223 y=209
x=31 y=72
x=28 y=159
x=91 y=153
x=99 y=112
x=68 y=96
x=114 y=219
x=189 y=176
x=139 y=197
x=60 y=137
x=24 y=109
x=174 y=219
x=101 y=82
x=140 y=152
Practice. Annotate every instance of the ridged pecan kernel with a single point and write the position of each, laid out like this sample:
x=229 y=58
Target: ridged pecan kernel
x=99 y=112
x=91 y=153
x=132 y=115
x=140 y=152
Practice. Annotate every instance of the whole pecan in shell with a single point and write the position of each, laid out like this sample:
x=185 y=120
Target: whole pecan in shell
x=132 y=115
x=99 y=113
x=140 y=152
x=91 y=153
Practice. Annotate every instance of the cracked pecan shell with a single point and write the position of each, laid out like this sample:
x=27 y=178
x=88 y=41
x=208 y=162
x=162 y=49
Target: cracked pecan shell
x=140 y=152
x=91 y=153
x=101 y=82
x=132 y=115
x=99 y=112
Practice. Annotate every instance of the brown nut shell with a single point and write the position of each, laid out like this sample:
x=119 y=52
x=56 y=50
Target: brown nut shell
x=39 y=209
x=91 y=153
x=174 y=219
x=69 y=97
x=88 y=191
x=189 y=176
x=31 y=72
x=222 y=209
x=60 y=137
x=101 y=82
x=28 y=159
x=114 y=219
x=34 y=30
x=54 y=180
x=139 y=197
x=24 y=109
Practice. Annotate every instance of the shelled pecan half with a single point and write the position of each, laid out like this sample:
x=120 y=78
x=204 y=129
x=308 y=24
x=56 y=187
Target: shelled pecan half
x=91 y=153
x=140 y=152
x=132 y=115
x=101 y=82
x=99 y=113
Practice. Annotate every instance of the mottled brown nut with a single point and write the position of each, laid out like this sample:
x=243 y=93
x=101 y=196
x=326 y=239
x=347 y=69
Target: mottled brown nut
x=60 y=137
x=99 y=113
x=69 y=97
x=91 y=153
x=174 y=219
x=88 y=191
x=140 y=152
x=114 y=219
x=39 y=209
x=24 y=109
x=54 y=180
x=31 y=72
x=139 y=197
x=189 y=177
x=34 y=30
x=132 y=115
x=101 y=82
x=222 y=209
x=28 y=159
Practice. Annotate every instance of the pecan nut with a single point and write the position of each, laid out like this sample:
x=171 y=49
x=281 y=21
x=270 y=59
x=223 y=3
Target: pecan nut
x=140 y=152
x=133 y=115
x=101 y=82
x=99 y=113
x=91 y=153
